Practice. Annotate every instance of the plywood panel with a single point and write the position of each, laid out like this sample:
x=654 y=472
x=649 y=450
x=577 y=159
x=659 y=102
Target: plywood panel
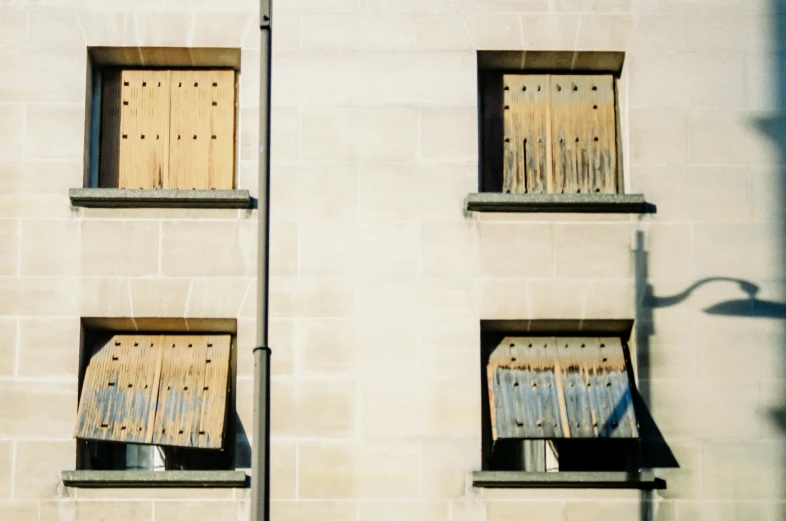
x=584 y=135
x=135 y=147
x=527 y=150
x=189 y=392
x=560 y=388
x=189 y=131
x=601 y=367
x=162 y=390
x=201 y=152
x=221 y=166
x=523 y=389
x=168 y=129
x=214 y=392
x=120 y=390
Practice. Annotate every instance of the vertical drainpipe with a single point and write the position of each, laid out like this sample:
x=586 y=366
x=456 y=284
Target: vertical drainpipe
x=260 y=463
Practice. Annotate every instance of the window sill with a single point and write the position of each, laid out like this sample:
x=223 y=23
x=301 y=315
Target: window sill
x=563 y=203
x=130 y=198
x=154 y=479
x=644 y=480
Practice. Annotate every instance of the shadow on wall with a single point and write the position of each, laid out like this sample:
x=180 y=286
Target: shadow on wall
x=774 y=126
x=770 y=121
x=655 y=452
x=242 y=446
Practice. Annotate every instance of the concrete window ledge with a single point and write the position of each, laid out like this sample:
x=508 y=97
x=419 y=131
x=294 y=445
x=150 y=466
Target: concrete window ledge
x=551 y=203
x=154 y=479
x=644 y=480
x=132 y=198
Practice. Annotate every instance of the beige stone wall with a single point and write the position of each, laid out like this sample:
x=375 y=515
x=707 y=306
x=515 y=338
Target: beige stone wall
x=379 y=278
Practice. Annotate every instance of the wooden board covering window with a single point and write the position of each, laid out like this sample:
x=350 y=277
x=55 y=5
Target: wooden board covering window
x=202 y=125
x=551 y=387
x=168 y=129
x=157 y=389
x=559 y=134
x=192 y=396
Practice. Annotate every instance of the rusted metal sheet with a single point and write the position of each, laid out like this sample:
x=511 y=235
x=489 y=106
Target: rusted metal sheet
x=550 y=387
x=157 y=389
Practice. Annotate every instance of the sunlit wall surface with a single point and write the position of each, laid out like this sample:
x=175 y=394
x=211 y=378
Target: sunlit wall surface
x=380 y=279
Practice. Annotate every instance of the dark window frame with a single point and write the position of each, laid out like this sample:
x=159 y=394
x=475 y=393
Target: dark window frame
x=492 y=333
x=491 y=135
x=110 y=456
x=491 y=65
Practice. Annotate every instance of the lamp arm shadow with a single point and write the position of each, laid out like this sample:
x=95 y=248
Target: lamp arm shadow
x=658 y=302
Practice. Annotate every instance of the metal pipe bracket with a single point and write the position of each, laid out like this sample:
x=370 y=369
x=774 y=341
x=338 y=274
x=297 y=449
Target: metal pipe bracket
x=265 y=14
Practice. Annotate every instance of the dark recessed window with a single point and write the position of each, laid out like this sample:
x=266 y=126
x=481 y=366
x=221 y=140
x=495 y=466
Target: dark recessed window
x=549 y=133
x=158 y=128
x=560 y=404
x=156 y=402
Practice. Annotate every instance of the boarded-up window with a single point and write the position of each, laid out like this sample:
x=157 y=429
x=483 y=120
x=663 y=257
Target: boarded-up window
x=157 y=389
x=556 y=388
x=167 y=129
x=550 y=134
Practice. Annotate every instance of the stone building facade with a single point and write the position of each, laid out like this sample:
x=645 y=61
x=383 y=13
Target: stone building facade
x=381 y=280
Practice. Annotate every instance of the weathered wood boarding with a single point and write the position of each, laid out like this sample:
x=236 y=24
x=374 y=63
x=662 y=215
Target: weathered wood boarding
x=551 y=387
x=157 y=389
x=192 y=396
x=574 y=120
x=168 y=129
x=120 y=389
x=135 y=129
x=527 y=144
x=202 y=130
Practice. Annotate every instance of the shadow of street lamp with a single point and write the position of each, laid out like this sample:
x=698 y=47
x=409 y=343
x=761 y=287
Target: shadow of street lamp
x=745 y=307
x=751 y=306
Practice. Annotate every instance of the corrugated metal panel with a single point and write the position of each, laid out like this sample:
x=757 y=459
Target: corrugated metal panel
x=164 y=390
x=549 y=387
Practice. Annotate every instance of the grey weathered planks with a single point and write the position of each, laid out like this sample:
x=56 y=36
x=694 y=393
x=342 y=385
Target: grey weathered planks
x=560 y=134
x=551 y=387
x=526 y=123
x=192 y=400
x=120 y=390
x=157 y=389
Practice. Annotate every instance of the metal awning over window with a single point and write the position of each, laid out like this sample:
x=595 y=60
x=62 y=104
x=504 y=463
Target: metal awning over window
x=157 y=389
x=551 y=387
